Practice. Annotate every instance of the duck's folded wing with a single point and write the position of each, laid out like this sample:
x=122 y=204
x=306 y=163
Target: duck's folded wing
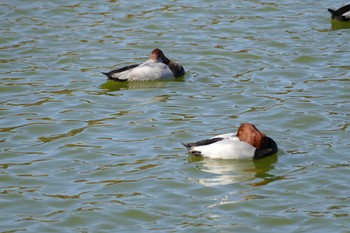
x=214 y=139
x=112 y=74
x=202 y=142
x=226 y=136
x=343 y=10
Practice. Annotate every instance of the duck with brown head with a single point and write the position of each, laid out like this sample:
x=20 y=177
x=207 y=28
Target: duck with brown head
x=247 y=143
x=157 y=67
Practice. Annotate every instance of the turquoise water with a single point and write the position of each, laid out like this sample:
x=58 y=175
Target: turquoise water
x=79 y=154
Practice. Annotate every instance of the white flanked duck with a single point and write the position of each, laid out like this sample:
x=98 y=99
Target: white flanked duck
x=341 y=14
x=157 y=67
x=247 y=143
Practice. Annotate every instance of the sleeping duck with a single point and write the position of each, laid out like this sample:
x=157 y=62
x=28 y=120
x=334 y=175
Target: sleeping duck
x=341 y=14
x=157 y=67
x=247 y=143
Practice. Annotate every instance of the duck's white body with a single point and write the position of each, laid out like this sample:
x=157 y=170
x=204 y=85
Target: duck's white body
x=230 y=147
x=149 y=70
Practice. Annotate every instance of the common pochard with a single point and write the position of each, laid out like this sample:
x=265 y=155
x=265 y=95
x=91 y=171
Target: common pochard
x=157 y=67
x=247 y=143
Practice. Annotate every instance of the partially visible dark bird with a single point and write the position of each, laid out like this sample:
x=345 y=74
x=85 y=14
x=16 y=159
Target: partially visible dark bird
x=341 y=14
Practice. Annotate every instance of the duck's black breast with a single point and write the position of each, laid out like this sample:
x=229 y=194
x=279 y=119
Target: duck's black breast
x=270 y=149
x=177 y=69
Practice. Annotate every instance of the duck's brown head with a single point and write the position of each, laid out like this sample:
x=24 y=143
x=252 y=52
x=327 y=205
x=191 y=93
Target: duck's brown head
x=250 y=134
x=158 y=55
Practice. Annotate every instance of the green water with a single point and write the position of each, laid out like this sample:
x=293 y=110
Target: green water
x=79 y=154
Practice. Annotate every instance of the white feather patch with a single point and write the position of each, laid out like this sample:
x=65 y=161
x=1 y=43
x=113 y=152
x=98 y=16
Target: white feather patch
x=149 y=70
x=228 y=148
x=346 y=15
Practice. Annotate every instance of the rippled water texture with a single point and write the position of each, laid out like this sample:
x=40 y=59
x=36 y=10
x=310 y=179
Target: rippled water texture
x=79 y=154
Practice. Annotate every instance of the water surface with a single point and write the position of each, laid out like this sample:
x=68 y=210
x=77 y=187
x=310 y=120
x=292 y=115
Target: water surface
x=79 y=154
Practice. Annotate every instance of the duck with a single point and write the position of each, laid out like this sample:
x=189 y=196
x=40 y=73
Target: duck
x=247 y=143
x=157 y=67
x=341 y=14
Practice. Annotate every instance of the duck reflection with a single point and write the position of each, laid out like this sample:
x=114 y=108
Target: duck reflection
x=118 y=86
x=337 y=25
x=224 y=172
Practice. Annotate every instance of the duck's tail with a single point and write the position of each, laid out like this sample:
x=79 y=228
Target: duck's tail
x=333 y=12
x=107 y=74
x=110 y=77
x=187 y=145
